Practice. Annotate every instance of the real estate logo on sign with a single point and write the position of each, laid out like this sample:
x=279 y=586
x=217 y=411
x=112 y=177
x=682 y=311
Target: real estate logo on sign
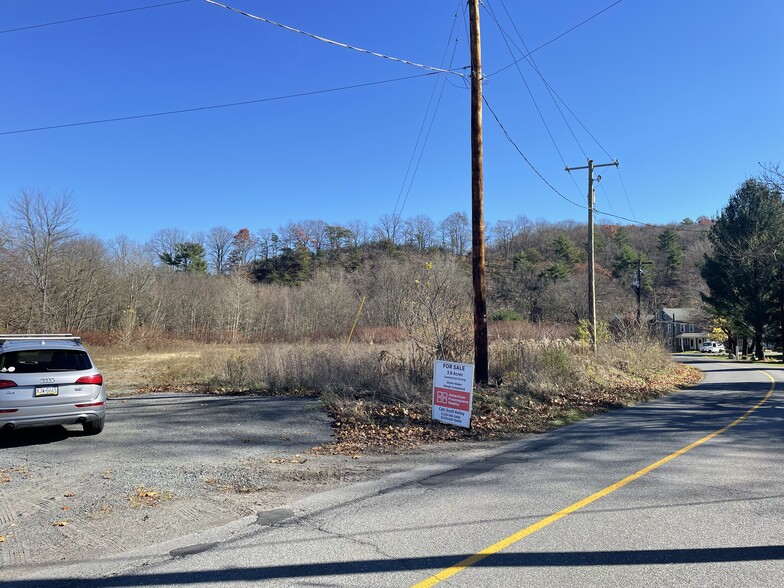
x=453 y=392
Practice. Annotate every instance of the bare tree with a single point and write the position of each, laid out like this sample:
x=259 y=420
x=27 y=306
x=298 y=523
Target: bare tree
x=131 y=302
x=5 y=234
x=457 y=232
x=266 y=244
x=773 y=176
x=419 y=231
x=503 y=235
x=294 y=235
x=218 y=244
x=42 y=224
x=82 y=284
x=360 y=232
x=388 y=228
x=164 y=242
x=317 y=234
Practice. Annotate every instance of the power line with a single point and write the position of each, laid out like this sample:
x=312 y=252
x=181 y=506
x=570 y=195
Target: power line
x=553 y=40
x=507 y=40
x=214 y=106
x=572 y=202
x=553 y=94
x=424 y=121
x=331 y=42
x=505 y=37
x=57 y=22
x=536 y=171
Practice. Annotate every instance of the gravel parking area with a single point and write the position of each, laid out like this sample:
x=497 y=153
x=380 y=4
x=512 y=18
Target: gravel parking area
x=165 y=466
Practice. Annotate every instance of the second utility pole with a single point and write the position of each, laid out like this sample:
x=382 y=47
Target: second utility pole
x=591 y=256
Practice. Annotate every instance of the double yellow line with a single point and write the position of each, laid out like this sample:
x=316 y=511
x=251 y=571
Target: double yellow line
x=511 y=539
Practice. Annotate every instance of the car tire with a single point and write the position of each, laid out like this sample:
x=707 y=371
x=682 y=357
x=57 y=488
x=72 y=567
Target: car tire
x=93 y=427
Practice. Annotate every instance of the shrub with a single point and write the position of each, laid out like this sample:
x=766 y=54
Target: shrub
x=506 y=314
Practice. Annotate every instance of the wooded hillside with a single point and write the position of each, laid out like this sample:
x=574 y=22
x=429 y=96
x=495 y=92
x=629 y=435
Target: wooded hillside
x=308 y=278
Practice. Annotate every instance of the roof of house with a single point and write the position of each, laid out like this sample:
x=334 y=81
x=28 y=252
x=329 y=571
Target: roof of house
x=693 y=316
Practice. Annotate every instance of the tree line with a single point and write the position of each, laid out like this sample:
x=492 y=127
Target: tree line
x=306 y=278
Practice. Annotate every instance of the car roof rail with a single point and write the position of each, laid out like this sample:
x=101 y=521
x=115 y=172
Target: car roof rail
x=42 y=336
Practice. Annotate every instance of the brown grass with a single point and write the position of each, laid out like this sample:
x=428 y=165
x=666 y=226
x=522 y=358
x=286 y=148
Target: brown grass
x=379 y=394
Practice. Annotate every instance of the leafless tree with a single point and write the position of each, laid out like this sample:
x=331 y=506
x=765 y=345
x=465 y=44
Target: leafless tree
x=419 y=231
x=42 y=224
x=456 y=232
x=218 y=245
x=317 y=234
x=773 y=176
x=388 y=228
x=360 y=232
x=266 y=244
x=294 y=235
x=82 y=285
x=502 y=235
x=164 y=241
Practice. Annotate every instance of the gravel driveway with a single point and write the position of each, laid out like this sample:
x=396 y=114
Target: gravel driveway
x=165 y=465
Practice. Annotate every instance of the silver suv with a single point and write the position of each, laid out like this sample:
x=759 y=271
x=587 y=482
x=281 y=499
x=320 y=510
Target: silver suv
x=49 y=380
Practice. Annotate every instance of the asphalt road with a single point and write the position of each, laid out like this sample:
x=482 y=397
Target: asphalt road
x=681 y=491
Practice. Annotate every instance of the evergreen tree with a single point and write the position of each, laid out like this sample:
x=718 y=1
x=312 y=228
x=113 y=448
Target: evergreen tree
x=744 y=270
x=672 y=252
x=187 y=257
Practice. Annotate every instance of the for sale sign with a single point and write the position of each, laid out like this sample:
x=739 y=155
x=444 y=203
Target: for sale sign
x=453 y=392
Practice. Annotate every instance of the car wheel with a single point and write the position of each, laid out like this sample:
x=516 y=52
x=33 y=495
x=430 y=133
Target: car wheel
x=93 y=427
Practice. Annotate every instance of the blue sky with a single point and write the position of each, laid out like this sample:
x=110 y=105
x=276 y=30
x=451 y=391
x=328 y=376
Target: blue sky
x=688 y=96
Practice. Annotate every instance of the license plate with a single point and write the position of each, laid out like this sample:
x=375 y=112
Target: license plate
x=46 y=391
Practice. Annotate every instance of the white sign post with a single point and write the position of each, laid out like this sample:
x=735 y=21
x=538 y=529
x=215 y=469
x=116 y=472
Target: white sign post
x=453 y=392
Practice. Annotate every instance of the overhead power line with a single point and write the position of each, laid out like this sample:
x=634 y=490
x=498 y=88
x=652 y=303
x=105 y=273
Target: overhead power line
x=424 y=134
x=213 y=107
x=572 y=202
x=553 y=40
x=553 y=95
x=331 y=42
x=520 y=152
x=57 y=22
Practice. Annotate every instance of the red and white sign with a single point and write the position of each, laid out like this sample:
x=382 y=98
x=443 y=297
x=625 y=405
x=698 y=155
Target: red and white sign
x=453 y=392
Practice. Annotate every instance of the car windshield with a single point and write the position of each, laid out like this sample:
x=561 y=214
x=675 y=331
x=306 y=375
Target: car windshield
x=44 y=360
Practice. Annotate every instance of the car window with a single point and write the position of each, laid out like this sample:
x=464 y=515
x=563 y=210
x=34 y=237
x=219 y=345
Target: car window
x=44 y=360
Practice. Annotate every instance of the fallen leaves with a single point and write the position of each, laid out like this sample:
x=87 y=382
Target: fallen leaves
x=5 y=473
x=150 y=498
x=498 y=413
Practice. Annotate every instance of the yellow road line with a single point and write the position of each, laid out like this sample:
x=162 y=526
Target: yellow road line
x=504 y=543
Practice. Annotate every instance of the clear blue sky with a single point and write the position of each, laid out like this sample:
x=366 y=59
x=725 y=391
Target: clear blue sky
x=688 y=96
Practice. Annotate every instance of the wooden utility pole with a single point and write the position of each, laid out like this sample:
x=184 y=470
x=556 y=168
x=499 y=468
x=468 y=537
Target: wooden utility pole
x=591 y=255
x=638 y=285
x=477 y=202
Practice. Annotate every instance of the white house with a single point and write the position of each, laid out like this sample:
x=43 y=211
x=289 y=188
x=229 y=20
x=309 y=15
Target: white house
x=684 y=329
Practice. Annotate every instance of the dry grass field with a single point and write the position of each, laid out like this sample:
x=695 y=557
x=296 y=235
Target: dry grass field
x=379 y=394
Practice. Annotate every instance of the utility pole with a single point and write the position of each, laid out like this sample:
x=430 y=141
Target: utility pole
x=477 y=202
x=638 y=283
x=591 y=255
